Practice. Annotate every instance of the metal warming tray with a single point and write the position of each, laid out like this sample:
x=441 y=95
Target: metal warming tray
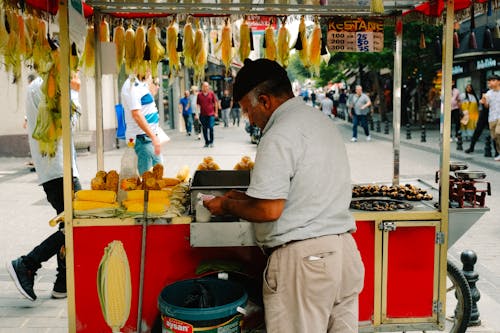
x=217 y=182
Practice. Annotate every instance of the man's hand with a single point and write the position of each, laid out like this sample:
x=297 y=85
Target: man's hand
x=215 y=205
x=156 y=145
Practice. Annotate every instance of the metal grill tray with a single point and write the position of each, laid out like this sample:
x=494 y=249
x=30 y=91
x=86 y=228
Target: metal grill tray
x=379 y=204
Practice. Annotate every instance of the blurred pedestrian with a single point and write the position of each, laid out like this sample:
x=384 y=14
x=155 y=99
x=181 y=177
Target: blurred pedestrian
x=455 y=109
x=491 y=100
x=50 y=174
x=186 y=110
x=359 y=107
x=326 y=106
x=342 y=104
x=193 y=97
x=236 y=114
x=208 y=104
x=470 y=112
x=226 y=103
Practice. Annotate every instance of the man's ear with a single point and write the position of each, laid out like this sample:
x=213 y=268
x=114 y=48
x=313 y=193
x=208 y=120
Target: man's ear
x=264 y=100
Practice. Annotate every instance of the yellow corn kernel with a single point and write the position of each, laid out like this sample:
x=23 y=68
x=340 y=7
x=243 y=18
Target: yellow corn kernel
x=96 y=195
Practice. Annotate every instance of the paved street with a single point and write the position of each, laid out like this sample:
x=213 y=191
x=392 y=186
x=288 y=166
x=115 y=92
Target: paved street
x=26 y=212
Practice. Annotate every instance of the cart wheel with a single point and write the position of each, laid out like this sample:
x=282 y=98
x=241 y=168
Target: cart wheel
x=458 y=299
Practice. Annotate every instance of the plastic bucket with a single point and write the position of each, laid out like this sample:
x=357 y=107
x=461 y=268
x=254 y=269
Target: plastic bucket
x=206 y=305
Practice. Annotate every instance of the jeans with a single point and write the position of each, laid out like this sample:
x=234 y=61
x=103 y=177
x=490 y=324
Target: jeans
x=188 y=121
x=146 y=157
x=225 y=116
x=53 y=244
x=207 y=123
x=359 y=119
x=235 y=116
x=455 y=120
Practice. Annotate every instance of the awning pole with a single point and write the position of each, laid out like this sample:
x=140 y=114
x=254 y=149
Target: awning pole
x=396 y=98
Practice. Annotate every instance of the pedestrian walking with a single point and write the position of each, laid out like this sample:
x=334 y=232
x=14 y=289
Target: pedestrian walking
x=186 y=111
x=236 y=114
x=359 y=108
x=455 y=109
x=193 y=97
x=50 y=174
x=491 y=100
x=470 y=112
x=142 y=119
x=226 y=103
x=208 y=104
x=326 y=106
x=303 y=229
x=342 y=104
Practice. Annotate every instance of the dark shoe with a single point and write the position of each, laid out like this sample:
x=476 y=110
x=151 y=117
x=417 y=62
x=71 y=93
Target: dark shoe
x=205 y=146
x=22 y=277
x=470 y=150
x=211 y=145
x=59 y=290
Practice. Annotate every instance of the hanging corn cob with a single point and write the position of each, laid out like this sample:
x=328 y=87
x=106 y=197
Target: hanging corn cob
x=301 y=43
x=200 y=54
x=173 y=57
x=157 y=51
x=41 y=48
x=225 y=45
x=130 y=50
x=269 y=42
x=114 y=287
x=244 y=49
x=188 y=46
x=24 y=42
x=140 y=65
x=4 y=34
x=104 y=31
x=89 y=52
x=119 y=40
x=315 y=48
x=283 y=53
x=12 y=55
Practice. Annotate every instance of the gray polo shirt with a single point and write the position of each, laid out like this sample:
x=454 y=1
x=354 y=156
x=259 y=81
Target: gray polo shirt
x=301 y=157
x=356 y=102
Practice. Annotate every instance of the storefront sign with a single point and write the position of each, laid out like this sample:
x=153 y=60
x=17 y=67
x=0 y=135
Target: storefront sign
x=486 y=63
x=355 y=34
x=457 y=70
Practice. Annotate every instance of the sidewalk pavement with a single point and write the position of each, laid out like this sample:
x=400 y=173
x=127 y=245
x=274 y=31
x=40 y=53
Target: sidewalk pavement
x=23 y=203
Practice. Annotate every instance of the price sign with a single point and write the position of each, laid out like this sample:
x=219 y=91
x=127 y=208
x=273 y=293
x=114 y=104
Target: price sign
x=355 y=35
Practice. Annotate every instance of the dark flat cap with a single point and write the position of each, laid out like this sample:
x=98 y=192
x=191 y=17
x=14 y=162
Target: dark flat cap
x=494 y=77
x=254 y=73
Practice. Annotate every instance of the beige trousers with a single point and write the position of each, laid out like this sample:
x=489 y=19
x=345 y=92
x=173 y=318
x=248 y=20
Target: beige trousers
x=312 y=286
x=495 y=137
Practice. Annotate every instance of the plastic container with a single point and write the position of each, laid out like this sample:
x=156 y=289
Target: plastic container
x=218 y=310
x=128 y=168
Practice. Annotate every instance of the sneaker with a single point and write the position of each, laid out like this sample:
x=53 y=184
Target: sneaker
x=354 y=140
x=211 y=145
x=497 y=158
x=205 y=146
x=470 y=150
x=22 y=277
x=59 y=290
x=368 y=138
x=198 y=137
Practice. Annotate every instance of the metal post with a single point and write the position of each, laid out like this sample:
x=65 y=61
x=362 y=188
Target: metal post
x=408 y=131
x=423 y=136
x=469 y=259
x=459 y=141
x=487 y=146
x=396 y=99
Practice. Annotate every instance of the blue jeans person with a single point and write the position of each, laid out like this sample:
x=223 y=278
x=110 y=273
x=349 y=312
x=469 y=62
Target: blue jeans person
x=188 y=122
x=207 y=123
x=145 y=151
x=358 y=119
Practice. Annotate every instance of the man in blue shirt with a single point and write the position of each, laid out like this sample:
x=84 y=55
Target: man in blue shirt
x=186 y=108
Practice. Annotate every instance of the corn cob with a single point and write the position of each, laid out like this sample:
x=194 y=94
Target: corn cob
x=188 y=44
x=315 y=48
x=302 y=40
x=41 y=48
x=155 y=48
x=244 y=49
x=95 y=195
x=104 y=31
x=155 y=195
x=173 y=57
x=270 y=43
x=225 y=45
x=89 y=205
x=140 y=46
x=130 y=50
x=154 y=207
x=283 y=53
x=12 y=55
x=4 y=35
x=24 y=42
x=89 y=52
x=114 y=286
x=199 y=53
x=183 y=173
x=119 y=40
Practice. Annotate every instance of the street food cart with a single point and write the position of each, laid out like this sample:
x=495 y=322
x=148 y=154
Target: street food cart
x=404 y=289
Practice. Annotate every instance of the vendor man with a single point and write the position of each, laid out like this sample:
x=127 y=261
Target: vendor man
x=314 y=271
